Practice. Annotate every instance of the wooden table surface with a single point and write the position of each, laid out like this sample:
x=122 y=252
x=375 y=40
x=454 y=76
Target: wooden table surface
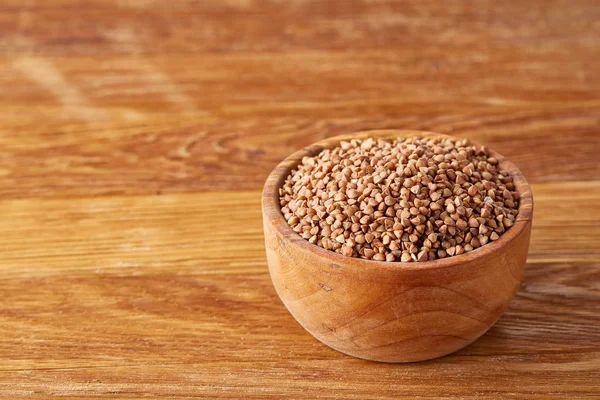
x=135 y=137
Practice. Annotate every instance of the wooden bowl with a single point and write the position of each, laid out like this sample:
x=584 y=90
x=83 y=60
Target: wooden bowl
x=393 y=311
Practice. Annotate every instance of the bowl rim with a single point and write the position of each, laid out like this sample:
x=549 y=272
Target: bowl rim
x=272 y=209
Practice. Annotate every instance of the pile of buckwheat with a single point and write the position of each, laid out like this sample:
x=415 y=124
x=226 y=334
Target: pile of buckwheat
x=405 y=200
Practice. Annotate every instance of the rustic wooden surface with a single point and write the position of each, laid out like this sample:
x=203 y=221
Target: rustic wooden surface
x=134 y=140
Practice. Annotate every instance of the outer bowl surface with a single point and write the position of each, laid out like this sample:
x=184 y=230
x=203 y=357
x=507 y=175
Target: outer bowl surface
x=392 y=311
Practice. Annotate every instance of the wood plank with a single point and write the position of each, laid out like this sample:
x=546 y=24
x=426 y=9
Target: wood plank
x=170 y=296
x=171 y=157
x=61 y=26
x=173 y=129
x=151 y=233
x=104 y=110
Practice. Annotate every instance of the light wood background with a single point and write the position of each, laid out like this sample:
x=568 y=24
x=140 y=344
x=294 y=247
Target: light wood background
x=135 y=137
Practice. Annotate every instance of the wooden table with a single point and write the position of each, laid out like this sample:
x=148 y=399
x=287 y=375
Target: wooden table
x=135 y=137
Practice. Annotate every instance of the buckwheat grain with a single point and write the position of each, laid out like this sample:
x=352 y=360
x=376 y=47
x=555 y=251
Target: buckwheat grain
x=415 y=199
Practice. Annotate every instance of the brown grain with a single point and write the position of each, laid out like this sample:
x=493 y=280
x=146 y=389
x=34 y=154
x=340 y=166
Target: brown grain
x=371 y=198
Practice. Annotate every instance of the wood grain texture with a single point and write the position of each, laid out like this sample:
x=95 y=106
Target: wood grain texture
x=166 y=296
x=132 y=130
x=176 y=155
x=248 y=82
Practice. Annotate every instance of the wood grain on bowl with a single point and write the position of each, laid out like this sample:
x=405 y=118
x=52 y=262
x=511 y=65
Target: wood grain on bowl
x=393 y=311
